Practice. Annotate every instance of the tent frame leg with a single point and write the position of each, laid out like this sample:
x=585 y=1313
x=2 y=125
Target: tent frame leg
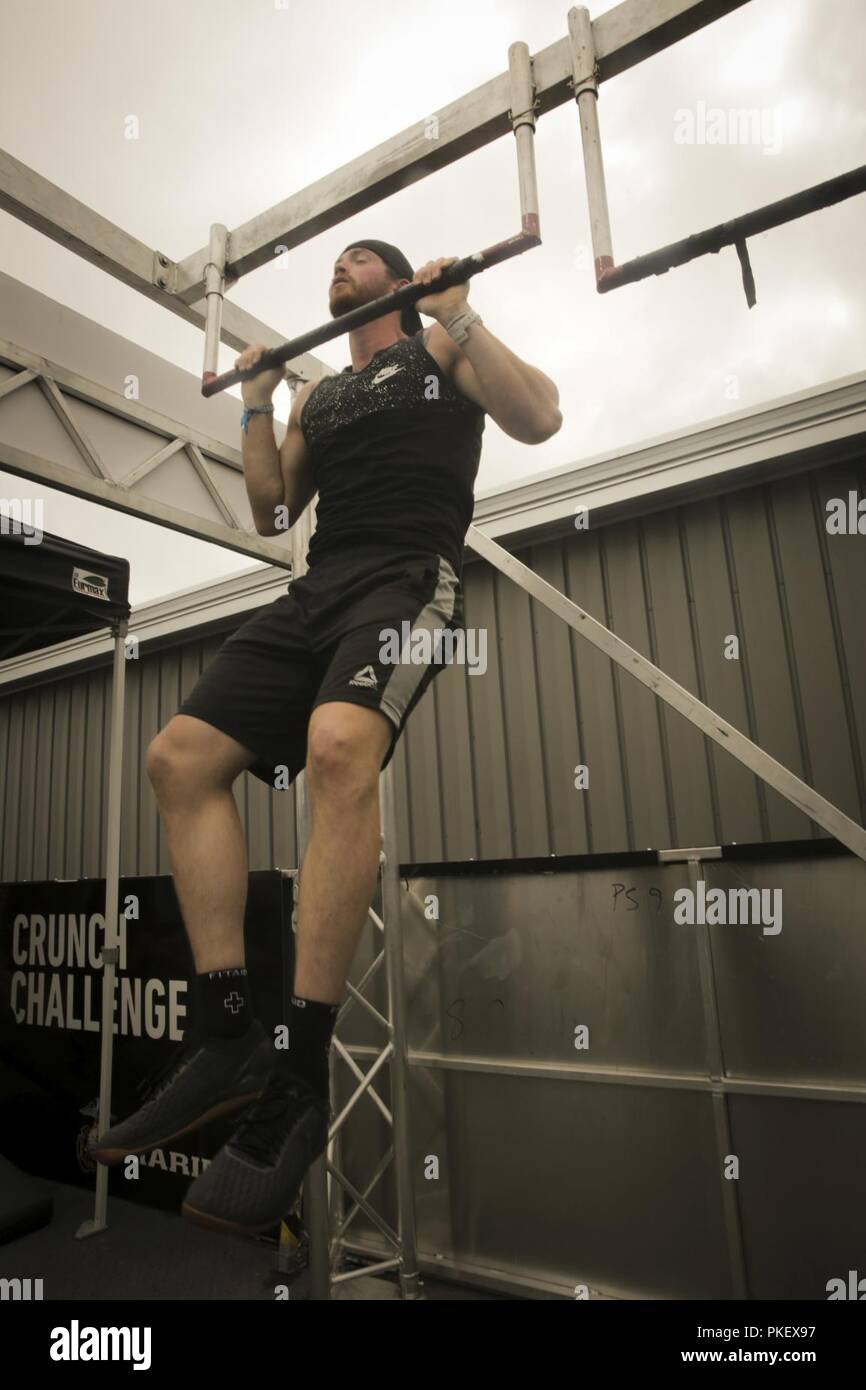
x=111 y=948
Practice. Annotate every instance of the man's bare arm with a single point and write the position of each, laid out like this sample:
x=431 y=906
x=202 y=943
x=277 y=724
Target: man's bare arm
x=296 y=464
x=520 y=398
x=273 y=477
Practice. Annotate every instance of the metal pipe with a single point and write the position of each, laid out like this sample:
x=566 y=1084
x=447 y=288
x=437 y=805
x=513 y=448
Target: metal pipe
x=821 y=195
x=215 y=285
x=729 y=1199
x=409 y=1280
x=111 y=949
x=585 y=82
x=455 y=274
x=522 y=115
x=315 y=1189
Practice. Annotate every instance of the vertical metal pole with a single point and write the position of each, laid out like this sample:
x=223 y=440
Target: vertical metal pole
x=215 y=285
x=522 y=114
x=721 y=1118
x=301 y=533
x=585 y=83
x=394 y=974
x=315 y=1200
x=111 y=948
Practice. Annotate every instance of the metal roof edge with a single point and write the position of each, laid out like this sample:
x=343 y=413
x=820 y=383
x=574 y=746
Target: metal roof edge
x=753 y=441
x=713 y=457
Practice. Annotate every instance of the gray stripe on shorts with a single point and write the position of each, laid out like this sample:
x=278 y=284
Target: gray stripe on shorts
x=407 y=676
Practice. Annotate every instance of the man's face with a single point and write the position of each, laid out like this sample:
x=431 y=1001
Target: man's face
x=359 y=276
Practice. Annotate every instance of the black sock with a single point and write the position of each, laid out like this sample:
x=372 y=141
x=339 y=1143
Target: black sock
x=311 y=1024
x=221 y=1003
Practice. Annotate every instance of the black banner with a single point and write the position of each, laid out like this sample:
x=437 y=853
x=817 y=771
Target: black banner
x=51 y=938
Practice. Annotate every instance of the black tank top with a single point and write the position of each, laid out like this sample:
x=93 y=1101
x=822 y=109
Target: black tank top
x=395 y=451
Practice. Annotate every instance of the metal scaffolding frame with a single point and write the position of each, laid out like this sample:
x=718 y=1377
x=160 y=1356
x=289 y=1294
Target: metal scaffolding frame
x=587 y=72
x=186 y=448
x=571 y=68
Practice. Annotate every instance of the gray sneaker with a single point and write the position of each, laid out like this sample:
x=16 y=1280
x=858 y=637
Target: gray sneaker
x=203 y=1079
x=254 y=1179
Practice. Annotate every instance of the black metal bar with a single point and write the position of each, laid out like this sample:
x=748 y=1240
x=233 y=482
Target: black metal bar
x=454 y=274
x=822 y=195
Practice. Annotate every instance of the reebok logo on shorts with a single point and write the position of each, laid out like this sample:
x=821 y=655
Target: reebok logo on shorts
x=366 y=676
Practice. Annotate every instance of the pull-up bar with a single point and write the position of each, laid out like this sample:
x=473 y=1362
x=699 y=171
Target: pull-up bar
x=219 y=272
x=609 y=275
x=734 y=233
x=454 y=274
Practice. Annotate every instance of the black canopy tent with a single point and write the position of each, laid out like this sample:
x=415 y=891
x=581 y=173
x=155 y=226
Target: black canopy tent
x=53 y=590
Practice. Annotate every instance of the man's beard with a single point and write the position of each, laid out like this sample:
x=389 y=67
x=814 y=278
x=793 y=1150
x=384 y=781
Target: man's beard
x=350 y=297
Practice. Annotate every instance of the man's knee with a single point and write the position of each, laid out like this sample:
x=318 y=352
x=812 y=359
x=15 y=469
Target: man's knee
x=344 y=752
x=166 y=761
x=185 y=756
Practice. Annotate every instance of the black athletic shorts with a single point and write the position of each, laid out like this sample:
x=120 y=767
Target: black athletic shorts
x=329 y=638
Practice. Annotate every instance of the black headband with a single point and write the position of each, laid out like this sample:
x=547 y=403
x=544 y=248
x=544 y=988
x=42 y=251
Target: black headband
x=410 y=319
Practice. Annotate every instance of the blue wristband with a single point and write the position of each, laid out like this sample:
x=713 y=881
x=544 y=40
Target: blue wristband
x=254 y=410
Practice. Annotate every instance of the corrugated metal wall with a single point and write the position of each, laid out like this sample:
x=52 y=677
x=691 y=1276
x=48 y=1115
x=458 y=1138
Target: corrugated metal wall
x=486 y=766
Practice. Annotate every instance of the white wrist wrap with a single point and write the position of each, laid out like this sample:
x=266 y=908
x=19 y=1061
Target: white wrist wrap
x=458 y=328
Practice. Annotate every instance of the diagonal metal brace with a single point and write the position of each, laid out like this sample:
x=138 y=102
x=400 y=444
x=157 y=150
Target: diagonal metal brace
x=804 y=797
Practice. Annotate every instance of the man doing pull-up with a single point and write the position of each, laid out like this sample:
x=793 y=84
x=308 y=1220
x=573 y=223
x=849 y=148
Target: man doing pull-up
x=391 y=445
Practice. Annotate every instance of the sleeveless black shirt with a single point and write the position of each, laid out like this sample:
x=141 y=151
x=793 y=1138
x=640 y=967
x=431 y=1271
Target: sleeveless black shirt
x=395 y=451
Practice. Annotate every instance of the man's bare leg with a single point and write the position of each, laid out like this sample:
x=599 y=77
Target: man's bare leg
x=346 y=746
x=192 y=767
x=256 y=1176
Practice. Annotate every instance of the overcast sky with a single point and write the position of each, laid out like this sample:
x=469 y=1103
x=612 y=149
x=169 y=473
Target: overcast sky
x=243 y=102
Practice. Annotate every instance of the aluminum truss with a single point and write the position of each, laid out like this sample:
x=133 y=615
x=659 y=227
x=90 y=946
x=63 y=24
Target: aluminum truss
x=195 y=457
x=569 y=69
x=41 y=204
x=623 y=37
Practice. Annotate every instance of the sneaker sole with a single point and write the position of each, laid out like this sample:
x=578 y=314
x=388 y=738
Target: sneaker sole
x=109 y=1157
x=218 y=1223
